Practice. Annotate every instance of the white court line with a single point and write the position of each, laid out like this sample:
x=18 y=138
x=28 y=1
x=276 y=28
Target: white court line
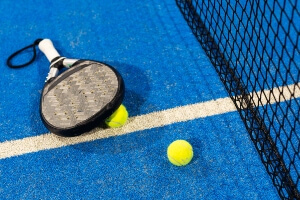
x=138 y=123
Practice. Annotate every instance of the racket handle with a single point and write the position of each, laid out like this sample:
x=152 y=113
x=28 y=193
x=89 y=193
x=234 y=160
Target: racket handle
x=46 y=46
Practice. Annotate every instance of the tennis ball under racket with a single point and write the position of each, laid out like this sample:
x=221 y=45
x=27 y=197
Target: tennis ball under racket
x=180 y=152
x=118 y=118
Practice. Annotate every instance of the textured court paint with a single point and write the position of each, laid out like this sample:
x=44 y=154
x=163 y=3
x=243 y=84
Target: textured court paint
x=137 y=123
x=135 y=166
x=163 y=66
x=148 y=43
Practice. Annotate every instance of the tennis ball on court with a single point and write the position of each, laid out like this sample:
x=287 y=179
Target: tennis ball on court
x=118 y=118
x=180 y=152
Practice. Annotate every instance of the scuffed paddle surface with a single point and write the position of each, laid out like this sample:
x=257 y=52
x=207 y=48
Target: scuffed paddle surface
x=78 y=94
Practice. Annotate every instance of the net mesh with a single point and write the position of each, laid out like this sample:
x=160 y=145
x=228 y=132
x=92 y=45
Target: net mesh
x=254 y=47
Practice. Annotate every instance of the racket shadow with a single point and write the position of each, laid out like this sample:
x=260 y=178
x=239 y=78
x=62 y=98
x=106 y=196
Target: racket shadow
x=136 y=86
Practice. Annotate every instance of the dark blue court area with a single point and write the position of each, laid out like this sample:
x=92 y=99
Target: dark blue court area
x=163 y=66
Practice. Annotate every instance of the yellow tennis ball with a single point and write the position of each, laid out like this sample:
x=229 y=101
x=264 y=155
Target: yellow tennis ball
x=118 y=118
x=180 y=152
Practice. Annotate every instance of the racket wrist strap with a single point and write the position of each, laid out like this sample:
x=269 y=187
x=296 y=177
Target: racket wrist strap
x=33 y=46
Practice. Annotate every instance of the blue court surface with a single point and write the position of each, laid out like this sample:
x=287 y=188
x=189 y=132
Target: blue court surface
x=163 y=66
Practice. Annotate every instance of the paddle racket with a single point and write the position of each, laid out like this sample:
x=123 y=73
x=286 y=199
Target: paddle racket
x=79 y=98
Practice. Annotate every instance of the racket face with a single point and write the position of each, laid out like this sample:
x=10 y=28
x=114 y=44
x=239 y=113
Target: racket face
x=81 y=98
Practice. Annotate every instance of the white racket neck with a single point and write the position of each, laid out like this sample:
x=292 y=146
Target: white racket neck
x=54 y=71
x=46 y=46
x=68 y=62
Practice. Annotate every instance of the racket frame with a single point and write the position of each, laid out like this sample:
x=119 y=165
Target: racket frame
x=56 y=64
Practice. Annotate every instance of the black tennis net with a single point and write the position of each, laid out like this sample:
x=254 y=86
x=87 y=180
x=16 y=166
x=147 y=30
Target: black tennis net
x=254 y=47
